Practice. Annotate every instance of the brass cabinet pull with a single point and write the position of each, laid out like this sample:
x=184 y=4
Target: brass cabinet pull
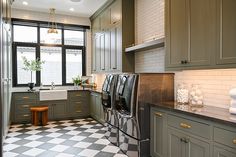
x=234 y=141
x=78 y=95
x=25 y=115
x=25 y=106
x=186 y=126
x=25 y=97
x=78 y=111
x=78 y=102
x=158 y=114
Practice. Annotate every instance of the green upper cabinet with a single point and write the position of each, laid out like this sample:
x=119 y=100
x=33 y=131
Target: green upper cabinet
x=116 y=12
x=96 y=25
x=227 y=32
x=200 y=34
x=115 y=34
x=190 y=33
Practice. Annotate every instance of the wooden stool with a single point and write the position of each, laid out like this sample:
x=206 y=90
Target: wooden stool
x=35 y=115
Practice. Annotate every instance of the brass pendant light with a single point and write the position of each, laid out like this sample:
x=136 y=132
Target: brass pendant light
x=52 y=24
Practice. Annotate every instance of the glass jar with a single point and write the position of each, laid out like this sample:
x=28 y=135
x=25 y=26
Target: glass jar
x=196 y=96
x=182 y=94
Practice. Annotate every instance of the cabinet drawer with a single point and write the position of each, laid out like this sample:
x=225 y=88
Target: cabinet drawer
x=81 y=95
x=190 y=126
x=78 y=107
x=25 y=96
x=225 y=137
x=22 y=108
x=23 y=116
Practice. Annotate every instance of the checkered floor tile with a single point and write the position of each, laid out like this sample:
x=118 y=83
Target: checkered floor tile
x=67 y=138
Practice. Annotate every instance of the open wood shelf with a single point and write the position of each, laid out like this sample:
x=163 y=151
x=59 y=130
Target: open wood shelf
x=147 y=45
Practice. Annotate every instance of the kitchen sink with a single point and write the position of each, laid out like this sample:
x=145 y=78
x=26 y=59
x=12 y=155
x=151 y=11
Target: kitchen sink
x=47 y=95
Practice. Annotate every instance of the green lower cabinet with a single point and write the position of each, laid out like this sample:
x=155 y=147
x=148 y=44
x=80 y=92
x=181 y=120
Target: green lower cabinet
x=221 y=152
x=96 y=109
x=158 y=133
x=56 y=109
x=78 y=104
x=182 y=145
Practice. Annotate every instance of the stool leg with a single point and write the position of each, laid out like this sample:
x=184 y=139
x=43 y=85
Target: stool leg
x=43 y=118
x=36 y=119
x=32 y=118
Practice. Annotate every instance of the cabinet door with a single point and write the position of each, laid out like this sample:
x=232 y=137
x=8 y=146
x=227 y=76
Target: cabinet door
x=116 y=48
x=157 y=134
x=202 y=28
x=94 y=53
x=92 y=104
x=176 y=32
x=97 y=52
x=107 y=50
x=227 y=32
x=102 y=51
x=116 y=12
x=197 y=148
x=59 y=109
x=96 y=25
x=105 y=19
x=220 y=152
x=176 y=148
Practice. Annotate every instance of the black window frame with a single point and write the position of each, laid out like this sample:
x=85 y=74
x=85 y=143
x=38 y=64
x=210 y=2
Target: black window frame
x=43 y=24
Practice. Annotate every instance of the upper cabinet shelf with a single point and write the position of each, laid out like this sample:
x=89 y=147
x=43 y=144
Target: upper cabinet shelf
x=147 y=45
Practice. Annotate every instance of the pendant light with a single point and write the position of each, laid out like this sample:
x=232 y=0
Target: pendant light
x=52 y=24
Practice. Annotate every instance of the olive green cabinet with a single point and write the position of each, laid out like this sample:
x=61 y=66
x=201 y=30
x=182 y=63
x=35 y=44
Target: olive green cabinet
x=175 y=134
x=183 y=145
x=200 y=34
x=115 y=34
x=190 y=32
x=78 y=104
x=226 y=32
x=158 y=121
x=21 y=104
x=221 y=152
x=56 y=109
x=96 y=109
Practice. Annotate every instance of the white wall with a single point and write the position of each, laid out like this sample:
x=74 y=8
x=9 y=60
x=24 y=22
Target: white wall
x=40 y=16
x=215 y=84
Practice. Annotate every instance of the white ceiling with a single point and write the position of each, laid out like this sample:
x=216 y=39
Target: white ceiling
x=84 y=8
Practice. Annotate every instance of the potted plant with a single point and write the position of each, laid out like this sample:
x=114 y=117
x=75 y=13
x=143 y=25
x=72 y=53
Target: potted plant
x=32 y=65
x=77 y=81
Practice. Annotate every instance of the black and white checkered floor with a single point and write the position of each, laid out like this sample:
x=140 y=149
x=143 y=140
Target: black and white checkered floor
x=67 y=138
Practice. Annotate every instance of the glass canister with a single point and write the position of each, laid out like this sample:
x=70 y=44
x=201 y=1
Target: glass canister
x=196 y=96
x=182 y=94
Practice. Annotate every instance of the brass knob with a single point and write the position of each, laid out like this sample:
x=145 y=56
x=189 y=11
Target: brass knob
x=234 y=141
x=158 y=114
x=25 y=97
x=186 y=126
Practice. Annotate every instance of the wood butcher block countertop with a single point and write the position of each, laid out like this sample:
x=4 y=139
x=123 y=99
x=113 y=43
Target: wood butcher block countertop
x=207 y=112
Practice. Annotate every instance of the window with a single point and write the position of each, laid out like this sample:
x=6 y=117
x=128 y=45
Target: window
x=51 y=69
x=50 y=39
x=24 y=77
x=25 y=34
x=74 y=37
x=73 y=64
x=64 y=53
